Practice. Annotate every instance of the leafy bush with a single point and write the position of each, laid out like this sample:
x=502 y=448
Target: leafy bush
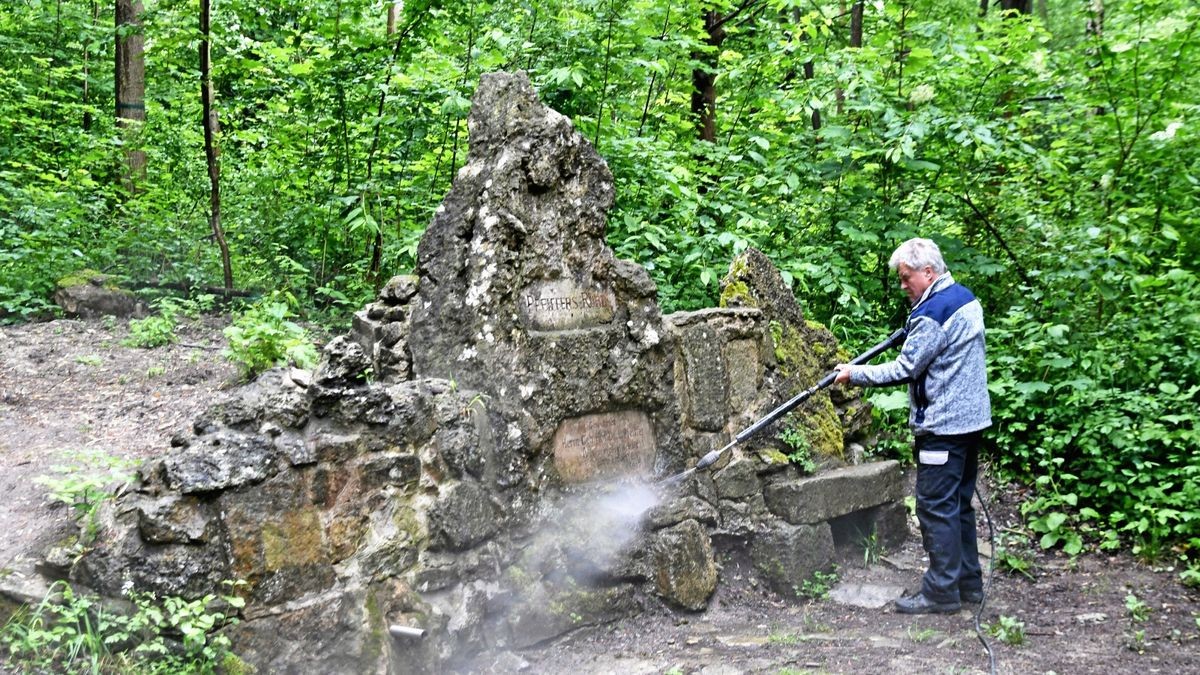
x=1106 y=427
x=85 y=480
x=263 y=337
x=799 y=449
x=71 y=632
x=153 y=331
x=1009 y=630
x=818 y=586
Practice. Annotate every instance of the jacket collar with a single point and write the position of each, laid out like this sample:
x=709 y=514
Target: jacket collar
x=938 y=284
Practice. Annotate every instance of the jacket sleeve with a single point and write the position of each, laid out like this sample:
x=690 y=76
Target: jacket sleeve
x=925 y=341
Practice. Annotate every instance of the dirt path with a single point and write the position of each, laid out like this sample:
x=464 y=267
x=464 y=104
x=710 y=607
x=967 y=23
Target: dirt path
x=70 y=386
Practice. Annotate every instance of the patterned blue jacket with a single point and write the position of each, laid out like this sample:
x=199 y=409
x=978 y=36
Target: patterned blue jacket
x=942 y=361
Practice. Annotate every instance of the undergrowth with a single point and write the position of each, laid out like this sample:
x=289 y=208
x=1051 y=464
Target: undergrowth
x=75 y=632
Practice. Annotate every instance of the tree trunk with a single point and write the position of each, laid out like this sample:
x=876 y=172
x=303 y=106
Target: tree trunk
x=856 y=35
x=130 y=80
x=1095 y=31
x=393 y=14
x=211 y=129
x=856 y=24
x=373 y=268
x=1019 y=6
x=704 y=79
x=87 y=54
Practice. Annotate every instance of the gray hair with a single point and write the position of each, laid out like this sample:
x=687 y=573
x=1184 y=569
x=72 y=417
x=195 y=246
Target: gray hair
x=917 y=254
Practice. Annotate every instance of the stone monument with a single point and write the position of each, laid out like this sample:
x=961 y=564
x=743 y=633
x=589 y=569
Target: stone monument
x=474 y=458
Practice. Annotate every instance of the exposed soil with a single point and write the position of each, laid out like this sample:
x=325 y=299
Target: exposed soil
x=69 y=386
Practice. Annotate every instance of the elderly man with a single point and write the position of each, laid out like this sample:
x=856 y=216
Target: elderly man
x=942 y=361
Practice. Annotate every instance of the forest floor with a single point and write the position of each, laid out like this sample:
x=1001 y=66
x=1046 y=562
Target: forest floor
x=69 y=387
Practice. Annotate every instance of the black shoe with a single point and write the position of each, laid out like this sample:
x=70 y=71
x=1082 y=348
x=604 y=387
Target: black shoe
x=971 y=597
x=919 y=604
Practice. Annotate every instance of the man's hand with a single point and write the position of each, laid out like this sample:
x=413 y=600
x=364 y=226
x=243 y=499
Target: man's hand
x=843 y=373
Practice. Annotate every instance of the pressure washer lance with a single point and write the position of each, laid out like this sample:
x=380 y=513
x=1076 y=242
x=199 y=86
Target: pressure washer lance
x=711 y=458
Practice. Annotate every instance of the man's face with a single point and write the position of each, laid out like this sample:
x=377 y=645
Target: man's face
x=914 y=281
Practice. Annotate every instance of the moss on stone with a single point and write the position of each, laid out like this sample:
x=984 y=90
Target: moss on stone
x=824 y=430
x=373 y=644
x=737 y=294
x=794 y=356
x=295 y=539
x=232 y=664
x=86 y=276
x=772 y=456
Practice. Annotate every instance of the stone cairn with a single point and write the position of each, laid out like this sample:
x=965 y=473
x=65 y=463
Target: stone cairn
x=452 y=463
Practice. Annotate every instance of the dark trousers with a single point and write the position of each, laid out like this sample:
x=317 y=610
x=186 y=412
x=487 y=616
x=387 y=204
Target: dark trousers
x=946 y=470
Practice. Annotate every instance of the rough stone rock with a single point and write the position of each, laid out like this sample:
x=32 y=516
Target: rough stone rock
x=459 y=444
x=219 y=461
x=707 y=379
x=804 y=350
x=684 y=571
x=676 y=511
x=462 y=517
x=342 y=633
x=519 y=295
x=272 y=397
x=120 y=559
x=98 y=296
x=343 y=363
x=176 y=520
x=744 y=517
x=399 y=289
x=413 y=406
x=754 y=281
x=786 y=555
x=835 y=493
x=721 y=357
x=389 y=469
x=277 y=542
x=738 y=480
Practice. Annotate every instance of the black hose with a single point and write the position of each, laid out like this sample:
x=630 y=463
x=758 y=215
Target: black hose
x=988 y=586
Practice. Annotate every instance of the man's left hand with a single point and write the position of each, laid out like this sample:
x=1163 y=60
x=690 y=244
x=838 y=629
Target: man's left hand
x=843 y=373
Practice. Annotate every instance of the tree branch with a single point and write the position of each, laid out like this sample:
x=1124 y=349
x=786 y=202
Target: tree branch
x=991 y=228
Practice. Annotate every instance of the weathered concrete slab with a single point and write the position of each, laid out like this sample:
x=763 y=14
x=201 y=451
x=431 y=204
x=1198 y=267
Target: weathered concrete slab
x=835 y=493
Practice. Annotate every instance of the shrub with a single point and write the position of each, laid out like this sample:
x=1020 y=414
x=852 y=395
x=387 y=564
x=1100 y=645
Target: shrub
x=72 y=632
x=263 y=337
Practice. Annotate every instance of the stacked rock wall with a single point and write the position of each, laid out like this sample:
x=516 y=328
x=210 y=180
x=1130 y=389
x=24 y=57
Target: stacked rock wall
x=476 y=457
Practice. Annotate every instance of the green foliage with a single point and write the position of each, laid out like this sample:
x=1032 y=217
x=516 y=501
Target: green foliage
x=872 y=547
x=818 y=586
x=889 y=410
x=263 y=337
x=153 y=331
x=799 y=449
x=85 y=480
x=1009 y=630
x=1138 y=610
x=71 y=632
x=1012 y=555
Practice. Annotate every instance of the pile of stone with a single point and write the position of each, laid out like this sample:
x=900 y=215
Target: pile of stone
x=477 y=457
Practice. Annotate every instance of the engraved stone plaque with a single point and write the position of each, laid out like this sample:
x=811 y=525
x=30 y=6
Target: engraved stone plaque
x=564 y=305
x=604 y=445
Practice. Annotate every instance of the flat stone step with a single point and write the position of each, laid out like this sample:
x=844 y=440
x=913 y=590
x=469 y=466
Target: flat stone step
x=835 y=493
